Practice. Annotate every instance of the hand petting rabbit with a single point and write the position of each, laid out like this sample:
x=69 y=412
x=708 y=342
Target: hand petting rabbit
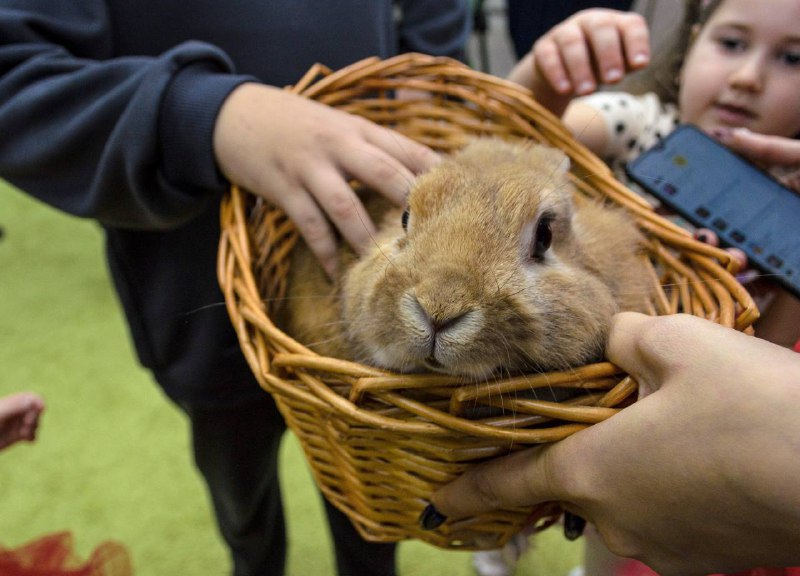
x=493 y=268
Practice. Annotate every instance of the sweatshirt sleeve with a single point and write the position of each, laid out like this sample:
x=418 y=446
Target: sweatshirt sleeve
x=437 y=27
x=124 y=140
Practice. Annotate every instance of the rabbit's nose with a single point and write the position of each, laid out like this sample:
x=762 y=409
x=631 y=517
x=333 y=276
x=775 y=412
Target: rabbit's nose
x=442 y=324
x=439 y=318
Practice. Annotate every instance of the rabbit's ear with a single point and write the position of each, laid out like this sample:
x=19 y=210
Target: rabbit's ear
x=565 y=164
x=552 y=159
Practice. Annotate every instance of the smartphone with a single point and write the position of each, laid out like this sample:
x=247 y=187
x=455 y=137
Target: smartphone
x=714 y=188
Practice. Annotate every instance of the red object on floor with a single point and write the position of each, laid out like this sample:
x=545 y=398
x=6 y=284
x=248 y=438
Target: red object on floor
x=634 y=568
x=767 y=572
x=52 y=555
x=797 y=346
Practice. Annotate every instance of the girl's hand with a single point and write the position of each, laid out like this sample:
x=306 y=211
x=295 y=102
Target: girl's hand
x=778 y=154
x=738 y=256
x=300 y=154
x=592 y=47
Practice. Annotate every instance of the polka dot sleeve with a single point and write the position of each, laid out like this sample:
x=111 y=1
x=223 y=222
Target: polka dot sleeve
x=633 y=123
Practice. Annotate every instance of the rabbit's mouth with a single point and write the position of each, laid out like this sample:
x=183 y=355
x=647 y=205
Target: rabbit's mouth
x=432 y=364
x=472 y=371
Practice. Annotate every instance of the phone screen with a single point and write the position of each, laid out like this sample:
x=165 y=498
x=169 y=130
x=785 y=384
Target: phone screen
x=712 y=187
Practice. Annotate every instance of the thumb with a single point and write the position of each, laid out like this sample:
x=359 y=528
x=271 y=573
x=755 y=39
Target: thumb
x=659 y=350
x=522 y=479
x=643 y=347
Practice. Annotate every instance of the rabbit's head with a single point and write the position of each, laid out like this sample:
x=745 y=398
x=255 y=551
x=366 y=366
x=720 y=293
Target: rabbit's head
x=492 y=270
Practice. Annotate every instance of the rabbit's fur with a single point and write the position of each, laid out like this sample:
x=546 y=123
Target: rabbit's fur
x=471 y=287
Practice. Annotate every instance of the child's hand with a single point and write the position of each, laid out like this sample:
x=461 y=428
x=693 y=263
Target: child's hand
x=737 y=255
x=592 y=47
x=778 y=154
x=19 y=417
x=300 y=154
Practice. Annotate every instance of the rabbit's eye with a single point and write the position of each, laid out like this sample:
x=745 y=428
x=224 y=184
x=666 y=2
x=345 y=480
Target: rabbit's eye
x=404 y=219
x=543 y=237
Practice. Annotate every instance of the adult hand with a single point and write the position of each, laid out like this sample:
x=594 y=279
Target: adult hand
x=592 y=47
x=699 y=475
x=299 y=154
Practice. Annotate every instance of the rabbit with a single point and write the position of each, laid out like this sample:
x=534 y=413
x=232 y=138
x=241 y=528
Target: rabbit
x=491 y=269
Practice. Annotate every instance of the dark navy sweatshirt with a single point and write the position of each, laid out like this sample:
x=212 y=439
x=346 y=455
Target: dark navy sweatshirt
x=107 y=110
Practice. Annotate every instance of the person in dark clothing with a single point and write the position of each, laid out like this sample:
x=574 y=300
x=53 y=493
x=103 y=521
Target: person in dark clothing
x=138 y=115
x=528 y=20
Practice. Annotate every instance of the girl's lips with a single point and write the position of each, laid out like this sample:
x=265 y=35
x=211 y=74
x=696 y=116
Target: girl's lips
x=733 y=114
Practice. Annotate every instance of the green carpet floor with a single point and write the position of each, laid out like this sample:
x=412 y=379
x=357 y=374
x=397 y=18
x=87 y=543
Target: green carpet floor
x=112 y=459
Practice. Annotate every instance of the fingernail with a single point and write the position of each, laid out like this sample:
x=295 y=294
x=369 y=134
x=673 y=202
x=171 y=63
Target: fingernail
x=431 y=518
x=721 y=134
x=613 y=74
x=640 y=59
x=741 y=130
x=585 y=87
x=573 y=526
x=563 y=86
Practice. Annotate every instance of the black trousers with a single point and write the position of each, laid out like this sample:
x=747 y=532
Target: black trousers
x=236 y=450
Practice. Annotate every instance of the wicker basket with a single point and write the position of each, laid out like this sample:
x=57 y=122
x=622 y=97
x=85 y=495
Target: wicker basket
x=379 y=443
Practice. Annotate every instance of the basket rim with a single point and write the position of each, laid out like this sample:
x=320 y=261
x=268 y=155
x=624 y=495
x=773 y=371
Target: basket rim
x=236 y=250
x=337 y=398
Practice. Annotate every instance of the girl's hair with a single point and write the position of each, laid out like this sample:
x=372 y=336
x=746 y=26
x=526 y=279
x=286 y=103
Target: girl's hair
x=662 y=74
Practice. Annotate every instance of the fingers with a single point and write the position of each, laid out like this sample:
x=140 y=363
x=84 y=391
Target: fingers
x=710 y=237
x=300 y=154
x=636 y=41
x=19 y=417
x=384 y=161
x=521 y=479
x=342 y=207
x=593 y=47
x=324 y=200
x=19 y=404
x=379 y=171
x=657 y=350
x=312 y=224
x=415 y=157
x=761 y=148
x=779 y=154
x=642 y=346
x=707 y=236
x=791 y=180
x=606 y=45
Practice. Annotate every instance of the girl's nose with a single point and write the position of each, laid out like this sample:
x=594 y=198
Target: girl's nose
x=749 y=73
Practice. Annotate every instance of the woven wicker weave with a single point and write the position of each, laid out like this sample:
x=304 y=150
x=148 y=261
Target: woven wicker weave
x=379 y=443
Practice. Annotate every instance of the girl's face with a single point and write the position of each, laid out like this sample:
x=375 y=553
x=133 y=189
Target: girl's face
x=744 y=69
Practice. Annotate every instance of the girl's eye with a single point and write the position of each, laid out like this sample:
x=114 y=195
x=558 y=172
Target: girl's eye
x=791 y=59
x=543 y=237
x=404 y=219
x=731 y=44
